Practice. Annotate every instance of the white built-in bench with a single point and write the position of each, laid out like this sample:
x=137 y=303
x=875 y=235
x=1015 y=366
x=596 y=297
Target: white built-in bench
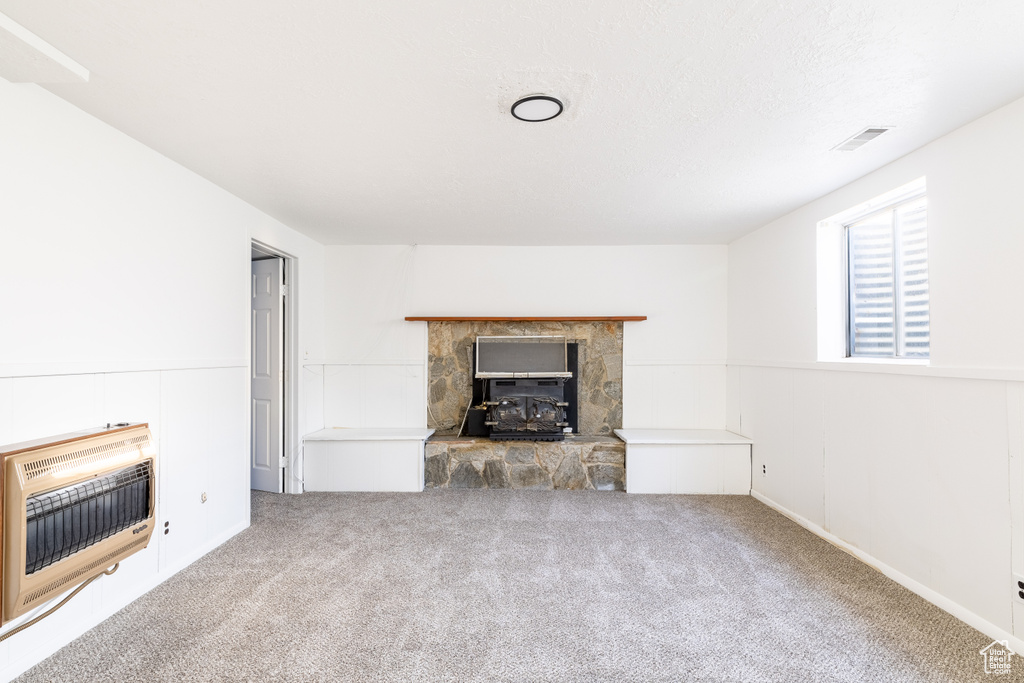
x=686 y=461
x=364 y=459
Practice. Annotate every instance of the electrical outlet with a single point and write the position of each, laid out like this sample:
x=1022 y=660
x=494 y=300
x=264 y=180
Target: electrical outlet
x=764 y=470
x=1018 y=588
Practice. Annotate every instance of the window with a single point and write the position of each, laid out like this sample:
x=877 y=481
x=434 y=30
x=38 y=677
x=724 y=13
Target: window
x=887 y=279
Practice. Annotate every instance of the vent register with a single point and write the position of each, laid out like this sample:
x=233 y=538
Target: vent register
x=63 y=462
x=73 y=507
x=859 y=140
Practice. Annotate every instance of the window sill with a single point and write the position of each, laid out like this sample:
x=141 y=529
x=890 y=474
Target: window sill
x=861 y=360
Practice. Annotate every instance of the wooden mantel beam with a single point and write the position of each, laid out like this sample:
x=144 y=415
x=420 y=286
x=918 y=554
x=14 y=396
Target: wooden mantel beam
x=527 y=318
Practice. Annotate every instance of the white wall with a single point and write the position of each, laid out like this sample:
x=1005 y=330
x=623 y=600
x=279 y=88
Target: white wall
x=906 y=465
x=674 y=362
x=126 y=295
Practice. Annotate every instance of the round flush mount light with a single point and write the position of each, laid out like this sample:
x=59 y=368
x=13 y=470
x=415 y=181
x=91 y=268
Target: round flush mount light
x=537 y=108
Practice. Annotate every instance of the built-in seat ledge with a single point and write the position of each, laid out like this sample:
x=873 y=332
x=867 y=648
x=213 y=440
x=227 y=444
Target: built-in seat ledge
x=686 y=461
x=681 y=436
x=527 y=319
x=380 y=459
x=370 y=434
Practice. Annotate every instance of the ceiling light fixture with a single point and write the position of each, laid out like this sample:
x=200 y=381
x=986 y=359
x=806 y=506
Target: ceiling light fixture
x=537 y=108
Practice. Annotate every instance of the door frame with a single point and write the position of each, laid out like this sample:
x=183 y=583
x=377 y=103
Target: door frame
x=290 y=413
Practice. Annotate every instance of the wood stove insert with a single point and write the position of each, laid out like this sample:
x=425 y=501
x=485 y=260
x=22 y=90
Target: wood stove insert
x=525 y=395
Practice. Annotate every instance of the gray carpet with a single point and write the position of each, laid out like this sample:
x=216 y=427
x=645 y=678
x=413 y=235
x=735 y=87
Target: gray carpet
x=523 y=586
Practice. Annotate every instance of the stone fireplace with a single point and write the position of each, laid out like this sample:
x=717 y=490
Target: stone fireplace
x=598 y=372
x=591 y=457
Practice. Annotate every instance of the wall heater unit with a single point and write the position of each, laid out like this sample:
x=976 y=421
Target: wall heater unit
x=73 y=506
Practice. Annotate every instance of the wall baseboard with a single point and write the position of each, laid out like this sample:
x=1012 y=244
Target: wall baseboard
x=16 y=667
x=937 y=599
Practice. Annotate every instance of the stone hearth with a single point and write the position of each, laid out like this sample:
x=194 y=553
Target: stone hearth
x=581 y=462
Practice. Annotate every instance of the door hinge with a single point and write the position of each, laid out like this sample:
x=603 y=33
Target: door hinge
x=284 y=290
x=282 y=461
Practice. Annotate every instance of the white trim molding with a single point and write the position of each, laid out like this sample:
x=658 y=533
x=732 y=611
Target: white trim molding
x=937 y=599
x=673 y=362
x=11 y=370
x=915 y=368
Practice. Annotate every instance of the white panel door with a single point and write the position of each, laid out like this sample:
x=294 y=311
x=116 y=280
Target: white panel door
x=267 y=368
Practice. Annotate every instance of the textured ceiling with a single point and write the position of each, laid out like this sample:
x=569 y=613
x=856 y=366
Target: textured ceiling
x=387 y=121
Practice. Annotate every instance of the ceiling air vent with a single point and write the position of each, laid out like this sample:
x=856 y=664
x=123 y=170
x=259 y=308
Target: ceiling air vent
x=866 y=135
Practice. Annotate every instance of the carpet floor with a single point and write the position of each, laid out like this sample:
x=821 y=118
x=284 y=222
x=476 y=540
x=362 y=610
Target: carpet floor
x=457 y=585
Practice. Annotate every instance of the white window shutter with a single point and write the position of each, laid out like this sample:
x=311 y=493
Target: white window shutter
x=887 y=261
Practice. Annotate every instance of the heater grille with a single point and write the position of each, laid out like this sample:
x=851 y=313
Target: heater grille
x=83 y=571
x=62 y=522
x=56 y=464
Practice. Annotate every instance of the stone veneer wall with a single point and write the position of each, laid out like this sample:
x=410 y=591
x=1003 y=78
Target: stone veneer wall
x=599 y=378
x=578 y=463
